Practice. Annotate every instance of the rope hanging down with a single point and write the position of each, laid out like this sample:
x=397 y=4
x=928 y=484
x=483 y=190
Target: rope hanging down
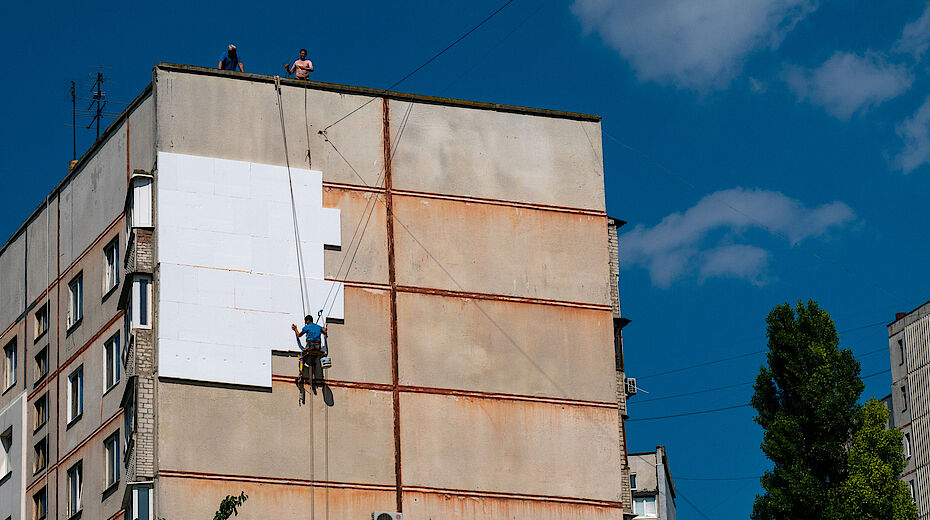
x=304 y=298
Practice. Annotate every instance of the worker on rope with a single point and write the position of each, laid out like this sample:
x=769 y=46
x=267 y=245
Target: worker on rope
x=301 y=66
x=315 y=348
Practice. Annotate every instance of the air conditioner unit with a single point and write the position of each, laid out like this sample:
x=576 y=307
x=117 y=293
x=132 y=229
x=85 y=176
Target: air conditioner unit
x=630 y=386
x=382 y=515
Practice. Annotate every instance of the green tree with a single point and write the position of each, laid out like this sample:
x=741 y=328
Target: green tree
x=806 y=400
x=872 y=489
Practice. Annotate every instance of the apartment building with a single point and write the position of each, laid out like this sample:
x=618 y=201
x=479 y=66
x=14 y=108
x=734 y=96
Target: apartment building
x=909 y=349
x=459 y=254
x=652 y=486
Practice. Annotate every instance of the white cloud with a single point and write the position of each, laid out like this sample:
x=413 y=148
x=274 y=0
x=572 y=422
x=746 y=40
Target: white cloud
x=687 y=43
x=848 y=83
x=675 y=247
x=915 y=38
x=735 y=261
x=915 y=132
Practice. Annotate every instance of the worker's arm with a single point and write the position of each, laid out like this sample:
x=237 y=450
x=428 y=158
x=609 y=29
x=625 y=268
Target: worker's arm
x=297 y=331
x=324 y=330
x=220 y=66
x=310 y=68
x=287 y=67
x=241 y=68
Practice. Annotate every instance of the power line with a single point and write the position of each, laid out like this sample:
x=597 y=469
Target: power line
x=717 y=479
x=427 y=62
x=739 y=356
x=693 y=506
x=746 y=383
x=685 y=414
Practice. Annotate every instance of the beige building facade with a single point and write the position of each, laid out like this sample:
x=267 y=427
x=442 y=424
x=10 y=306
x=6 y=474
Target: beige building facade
x=459 y=253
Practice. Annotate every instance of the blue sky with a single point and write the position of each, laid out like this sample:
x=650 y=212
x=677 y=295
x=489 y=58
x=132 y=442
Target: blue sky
x=762 y=151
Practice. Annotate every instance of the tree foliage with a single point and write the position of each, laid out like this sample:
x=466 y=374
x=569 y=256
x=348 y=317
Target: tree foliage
x=872 y=489
x=806 y=401
x=230 y=506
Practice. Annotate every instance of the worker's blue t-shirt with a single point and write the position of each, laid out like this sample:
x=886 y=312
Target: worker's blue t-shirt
x=313 y=332
x=230 y=62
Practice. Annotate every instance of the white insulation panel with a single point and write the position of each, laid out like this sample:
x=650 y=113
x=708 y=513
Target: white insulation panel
x=229 y=287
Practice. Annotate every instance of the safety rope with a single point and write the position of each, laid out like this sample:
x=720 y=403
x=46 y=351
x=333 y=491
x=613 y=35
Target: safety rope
x=304 y=299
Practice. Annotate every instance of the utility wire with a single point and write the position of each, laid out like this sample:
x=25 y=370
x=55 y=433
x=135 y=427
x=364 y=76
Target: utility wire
x=746 y=383
x=685 y=414
x=427 y=62
x=715 y=479
x=693 y=506
x=739 y=356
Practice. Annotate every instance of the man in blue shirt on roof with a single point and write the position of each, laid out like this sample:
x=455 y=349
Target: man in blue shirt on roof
x=230 y=60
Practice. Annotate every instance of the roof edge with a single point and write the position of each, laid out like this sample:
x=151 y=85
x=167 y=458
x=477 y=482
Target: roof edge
x=80 y=163
x=373 y=92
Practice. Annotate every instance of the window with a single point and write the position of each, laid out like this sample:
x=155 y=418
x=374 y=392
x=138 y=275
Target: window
x=140 y=205
x=111 y=266
x=142 y=503
x=75 y=488
x=76 y=300
x=111 y=457
x=901 y=350
x=907 y=445
x=140 y=308
x=910 y=484
x=76 y=394
x=6 y=446
x=633 y=481
x=903 y=398
x=40 y=459
x=129 y=419
x=111 y=362
x=644 y=507
x=41 y=367
x=41 y=321
x=40 y=504
x=9 y=365
x=41 y=411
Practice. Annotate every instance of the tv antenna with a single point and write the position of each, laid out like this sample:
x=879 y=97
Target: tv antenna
x=98 y=96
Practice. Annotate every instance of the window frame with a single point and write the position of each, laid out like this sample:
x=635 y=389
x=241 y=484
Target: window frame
x=901 y=350
x=6 y=448
x=40 y=498
x=75 y=491
x=111 y=362
x=110 y=277
x=633 y=482
x=36 y=468
x=141 y=292
x=44 y=415
x=111 y=460
x=150 y=514
x=75 y=406
x=41 y=312
x=906 y=441
x=643 y=501
x=40 y=370
x=10 y=364
x=904 y=398
x=75 y=301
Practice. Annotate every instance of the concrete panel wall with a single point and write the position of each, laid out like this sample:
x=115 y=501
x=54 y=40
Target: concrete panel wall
x=42 y=254
x=495 y=346
x=488 y=154
x=363 y=255
x=509 y=446
x=439 y=505
x=501 y=250
x=92 y=457
x=227 y=256
x=12 y=282
x=351 y=440
x=236 y=119
x=142 y=136
x=12 y=499
x=180 y=497
x=94 y=198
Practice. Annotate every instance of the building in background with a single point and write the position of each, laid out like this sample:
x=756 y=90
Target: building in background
x=459 y=252
x=909 y=348
x=652 y=486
